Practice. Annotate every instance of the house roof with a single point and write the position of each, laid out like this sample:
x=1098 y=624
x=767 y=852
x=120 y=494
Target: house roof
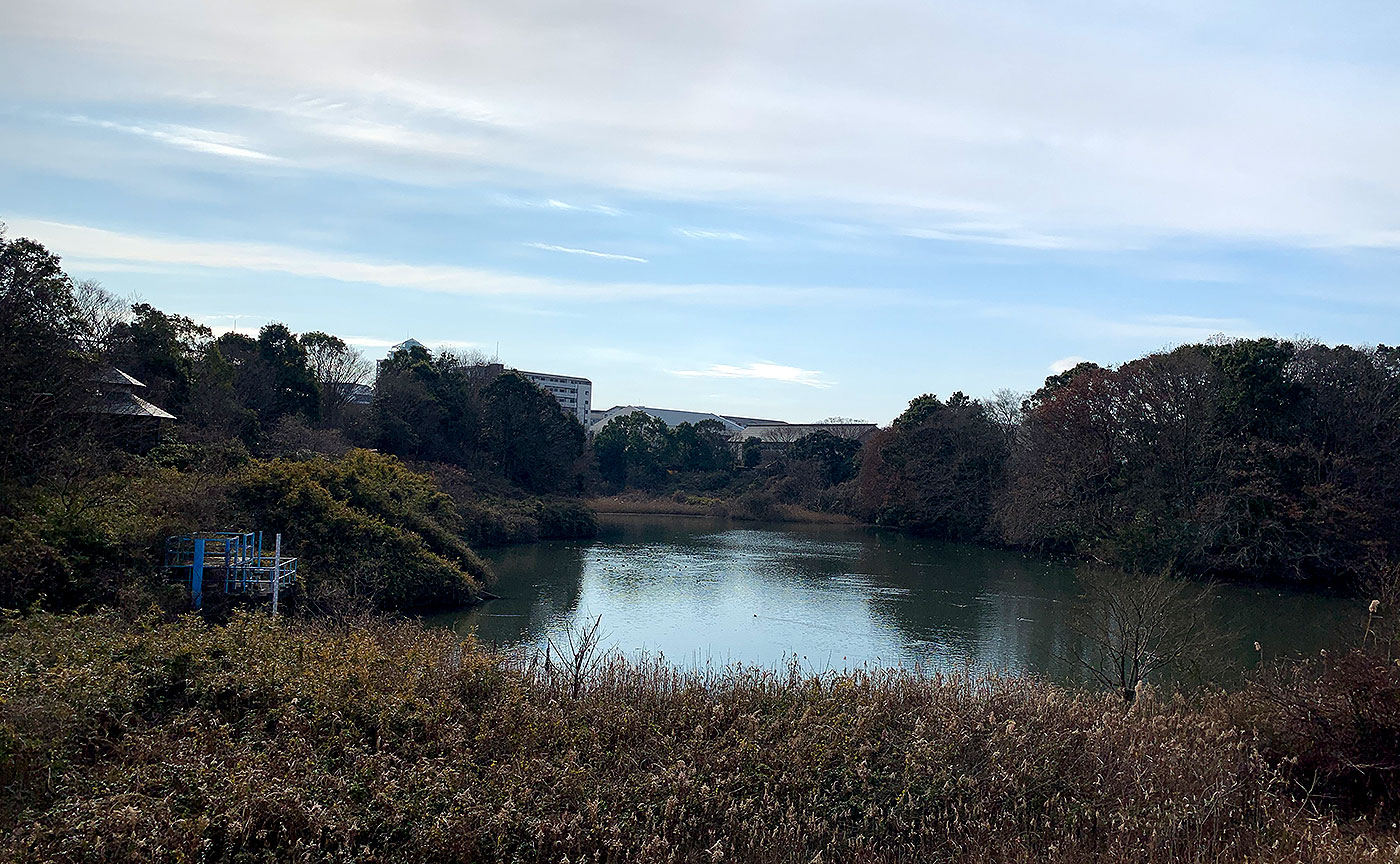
x=113 y=375
x=406 y=345
x=124 y=403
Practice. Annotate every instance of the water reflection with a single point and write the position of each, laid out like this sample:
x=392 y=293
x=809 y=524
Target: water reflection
x=699 y=591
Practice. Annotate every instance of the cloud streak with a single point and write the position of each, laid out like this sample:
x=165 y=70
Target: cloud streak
x=702 y=234
x=760 y=372
x=96 y=250
x=570 y=250
x=184 y=137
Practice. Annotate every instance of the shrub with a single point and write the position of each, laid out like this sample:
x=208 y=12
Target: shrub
x=759 y=506
x=1333 y=725
x=567 y=520
x=366 y=522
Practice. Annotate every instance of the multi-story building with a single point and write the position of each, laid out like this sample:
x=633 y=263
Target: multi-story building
x=575 y=395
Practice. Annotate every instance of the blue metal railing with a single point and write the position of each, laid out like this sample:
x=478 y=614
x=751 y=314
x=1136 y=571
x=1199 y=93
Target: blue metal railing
x=237 y=557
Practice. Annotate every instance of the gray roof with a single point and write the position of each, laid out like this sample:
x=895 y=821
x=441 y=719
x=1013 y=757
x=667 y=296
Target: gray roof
x=790 y=432
x=669 y=416
x=113 y=375
x=406 y=345
x=124 y=403
x=754 y=421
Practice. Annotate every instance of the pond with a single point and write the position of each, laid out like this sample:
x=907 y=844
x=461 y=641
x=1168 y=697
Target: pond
x=700 y=591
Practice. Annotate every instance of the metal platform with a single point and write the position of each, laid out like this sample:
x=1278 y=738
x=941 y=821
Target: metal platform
x=238 y=557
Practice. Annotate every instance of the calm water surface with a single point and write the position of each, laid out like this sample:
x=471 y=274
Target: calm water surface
x=699 y=591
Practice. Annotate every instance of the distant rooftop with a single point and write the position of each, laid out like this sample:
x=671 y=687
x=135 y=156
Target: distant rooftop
x=670 y=416
x=407 y=345
x=753 y=421
x=573 y=379
x=787 y=433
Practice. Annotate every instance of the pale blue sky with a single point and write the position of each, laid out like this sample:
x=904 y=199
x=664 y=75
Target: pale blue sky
x=775 y=208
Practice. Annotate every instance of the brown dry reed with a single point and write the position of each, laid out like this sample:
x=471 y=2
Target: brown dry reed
x=173 y=740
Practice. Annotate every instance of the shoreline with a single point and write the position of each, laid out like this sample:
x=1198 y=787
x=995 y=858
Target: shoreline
x=645 y=505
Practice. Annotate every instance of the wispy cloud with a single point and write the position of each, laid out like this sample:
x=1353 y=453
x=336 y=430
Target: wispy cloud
x=1184 y=134
x=570 y=250
x=556 y=204
x=93 y=250
x=703 y=234
x=1008 y=235
x=184 y=137
x=760 y=371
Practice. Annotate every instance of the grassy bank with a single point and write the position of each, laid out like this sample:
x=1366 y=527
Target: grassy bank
x=173 y=740
x=757 y=507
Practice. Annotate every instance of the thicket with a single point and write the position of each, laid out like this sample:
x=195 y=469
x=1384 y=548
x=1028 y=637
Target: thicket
x=368 y=532
x=170 y=739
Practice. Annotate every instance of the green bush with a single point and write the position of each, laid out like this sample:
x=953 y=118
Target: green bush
x=368 y=525
x=367 y=531
x=567 y=520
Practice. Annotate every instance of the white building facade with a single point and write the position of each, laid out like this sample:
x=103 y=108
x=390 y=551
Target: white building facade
x=575 y=395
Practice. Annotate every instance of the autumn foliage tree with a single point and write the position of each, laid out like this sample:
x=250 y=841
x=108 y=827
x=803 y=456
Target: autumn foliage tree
x=934 y=471
x=1256 y=458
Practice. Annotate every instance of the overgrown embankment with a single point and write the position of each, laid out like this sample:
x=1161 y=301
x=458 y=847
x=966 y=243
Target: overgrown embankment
x=176 y=740
x=368 y=531
x=750 y=506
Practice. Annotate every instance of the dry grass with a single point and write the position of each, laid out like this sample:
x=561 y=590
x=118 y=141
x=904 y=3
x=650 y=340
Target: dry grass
x=173 y=740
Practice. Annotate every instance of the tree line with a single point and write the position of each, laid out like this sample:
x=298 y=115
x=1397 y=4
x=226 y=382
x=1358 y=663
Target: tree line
x=275 y=392
x=1256 y=458
x=270 y=435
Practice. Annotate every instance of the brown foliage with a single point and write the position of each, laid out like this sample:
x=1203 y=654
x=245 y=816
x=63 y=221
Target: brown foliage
x=174 y=740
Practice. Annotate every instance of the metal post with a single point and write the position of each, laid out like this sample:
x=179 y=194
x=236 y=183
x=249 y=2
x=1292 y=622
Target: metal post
x=276 y=572
x=197 y=574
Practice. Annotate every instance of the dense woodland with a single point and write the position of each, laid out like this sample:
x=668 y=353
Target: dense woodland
x=1256 y=458
x=1261 y=459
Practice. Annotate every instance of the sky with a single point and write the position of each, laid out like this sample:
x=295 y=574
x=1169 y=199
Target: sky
x=783 y=209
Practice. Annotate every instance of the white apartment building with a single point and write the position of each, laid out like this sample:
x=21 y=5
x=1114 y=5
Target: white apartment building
x=575 y=395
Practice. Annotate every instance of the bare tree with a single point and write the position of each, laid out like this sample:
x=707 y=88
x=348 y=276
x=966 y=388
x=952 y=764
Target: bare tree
x=467 y=357
x=337 y=368
x=578 y=655
x=100 y=312
x=1135 y=625
x=1004 y=408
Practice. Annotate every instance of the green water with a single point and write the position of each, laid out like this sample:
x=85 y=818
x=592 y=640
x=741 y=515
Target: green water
x=702 y=591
